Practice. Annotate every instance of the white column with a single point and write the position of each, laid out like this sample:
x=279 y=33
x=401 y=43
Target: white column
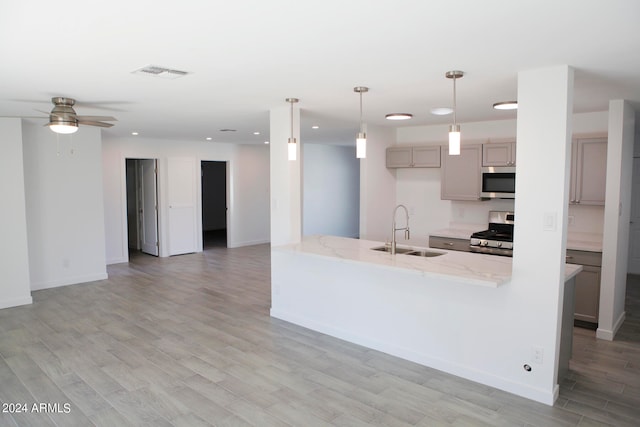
x=545 y=99
x=14 y=258
x=617 y=211
x=286 y=175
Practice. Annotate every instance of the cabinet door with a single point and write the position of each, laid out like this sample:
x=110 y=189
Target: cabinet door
x=461 y=174
x=499 y=154
x=587 y=297
x=426 y=157
x=589 y=171
x=399 y=157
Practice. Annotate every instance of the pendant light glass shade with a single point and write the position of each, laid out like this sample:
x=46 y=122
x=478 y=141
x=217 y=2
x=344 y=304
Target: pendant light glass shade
x=454 y=129
x=292 y=149
x=454 y=140
x=361 y=145
x=361 y=137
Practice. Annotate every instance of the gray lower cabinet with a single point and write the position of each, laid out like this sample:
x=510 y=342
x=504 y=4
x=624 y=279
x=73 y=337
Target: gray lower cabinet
x=587 y=294
x=449 y=243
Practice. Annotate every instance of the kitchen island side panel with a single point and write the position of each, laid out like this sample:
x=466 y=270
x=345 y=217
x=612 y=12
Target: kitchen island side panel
x=458 y=328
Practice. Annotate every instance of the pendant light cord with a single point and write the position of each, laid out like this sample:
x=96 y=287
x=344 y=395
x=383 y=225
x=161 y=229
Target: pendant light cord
x=455 y=119
x=361 y=131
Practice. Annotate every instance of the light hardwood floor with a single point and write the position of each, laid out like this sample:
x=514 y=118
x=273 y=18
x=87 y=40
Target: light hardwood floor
x=188 y=341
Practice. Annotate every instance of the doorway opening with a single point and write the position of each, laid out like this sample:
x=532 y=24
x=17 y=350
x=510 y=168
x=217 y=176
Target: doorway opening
x=142 y=206
x=214 y=204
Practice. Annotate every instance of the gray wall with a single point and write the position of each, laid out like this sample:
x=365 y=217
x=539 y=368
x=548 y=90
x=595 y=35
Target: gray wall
x=331 y=193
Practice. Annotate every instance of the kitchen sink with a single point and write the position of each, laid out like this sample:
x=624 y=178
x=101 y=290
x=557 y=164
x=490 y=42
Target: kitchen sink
x=388 y=249
x=409 y=251
x=425 y=253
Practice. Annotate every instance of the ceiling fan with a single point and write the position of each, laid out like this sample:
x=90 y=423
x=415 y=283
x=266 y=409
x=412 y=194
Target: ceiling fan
x=63 y=118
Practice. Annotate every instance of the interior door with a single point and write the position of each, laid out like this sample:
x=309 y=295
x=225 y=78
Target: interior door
x=149 y=206
x=181 y=174
x=634 y=226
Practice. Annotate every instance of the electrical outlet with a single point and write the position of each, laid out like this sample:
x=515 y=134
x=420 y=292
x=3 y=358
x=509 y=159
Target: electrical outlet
x=538 y=355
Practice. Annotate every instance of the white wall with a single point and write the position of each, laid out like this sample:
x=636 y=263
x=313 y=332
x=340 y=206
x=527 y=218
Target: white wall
x=64 y=206
x=14 y=256
x=615 y=245
x=331 y=191
x=419 y=189
x=377 y=186
x=248 y=181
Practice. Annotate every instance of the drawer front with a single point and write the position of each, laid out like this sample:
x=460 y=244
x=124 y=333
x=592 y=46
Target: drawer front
x=450 y=244
x=584 y=258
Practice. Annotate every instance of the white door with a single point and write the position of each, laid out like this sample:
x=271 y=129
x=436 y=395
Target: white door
x=181 y=175
x=634 y=227
x=149 y=206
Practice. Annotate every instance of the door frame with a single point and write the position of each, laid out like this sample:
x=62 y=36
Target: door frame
x=124 y=201
x=227 y=191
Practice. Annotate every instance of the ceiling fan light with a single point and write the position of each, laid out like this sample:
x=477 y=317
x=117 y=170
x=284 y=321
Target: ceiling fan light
x=64 y=128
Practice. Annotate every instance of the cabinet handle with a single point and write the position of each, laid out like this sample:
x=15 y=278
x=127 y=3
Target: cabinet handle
x=448 y=243
x=568 y=257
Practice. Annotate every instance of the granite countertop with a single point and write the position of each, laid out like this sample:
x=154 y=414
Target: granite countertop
x=465 y=267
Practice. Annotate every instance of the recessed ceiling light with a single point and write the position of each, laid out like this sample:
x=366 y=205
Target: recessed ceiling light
x=398 y=116
x=441 y=111
x=266 y=142
x=134 y=133
x=209 y=138
x=315 y=127
x=506 y=105
x=256 y=133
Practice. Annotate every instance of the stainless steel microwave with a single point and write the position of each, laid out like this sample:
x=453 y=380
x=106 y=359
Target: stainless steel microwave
x=498 y=182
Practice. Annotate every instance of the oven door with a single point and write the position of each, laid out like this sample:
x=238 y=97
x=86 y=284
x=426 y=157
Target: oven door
x=498 y=182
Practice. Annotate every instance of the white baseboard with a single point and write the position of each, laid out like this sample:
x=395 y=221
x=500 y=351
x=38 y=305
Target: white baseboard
x=609 y=335
x=14 y=302
x=247 y=243
x=68 y=281
x=117 y=260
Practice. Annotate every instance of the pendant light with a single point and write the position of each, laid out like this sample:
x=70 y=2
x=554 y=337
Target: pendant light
x=361 y=138
x=291 y=144
x=454 y=129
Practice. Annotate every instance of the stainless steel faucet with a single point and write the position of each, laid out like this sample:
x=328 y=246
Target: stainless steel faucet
x=394 y=228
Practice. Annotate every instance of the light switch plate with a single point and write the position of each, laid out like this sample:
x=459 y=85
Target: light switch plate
x=550 y=221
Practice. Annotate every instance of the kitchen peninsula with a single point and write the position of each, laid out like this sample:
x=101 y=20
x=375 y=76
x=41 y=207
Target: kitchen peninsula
x=449 y=312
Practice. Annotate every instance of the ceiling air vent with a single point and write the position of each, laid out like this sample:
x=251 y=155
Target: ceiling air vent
x=162 y=72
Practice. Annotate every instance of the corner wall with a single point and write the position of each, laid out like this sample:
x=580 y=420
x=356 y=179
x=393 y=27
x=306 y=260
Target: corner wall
x=14 y=255
x=64 y=206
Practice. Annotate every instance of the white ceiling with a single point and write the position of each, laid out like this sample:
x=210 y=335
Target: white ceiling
x=246 y=56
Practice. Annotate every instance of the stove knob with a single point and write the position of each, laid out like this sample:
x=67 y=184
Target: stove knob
x=499 y=244
x=485 y=243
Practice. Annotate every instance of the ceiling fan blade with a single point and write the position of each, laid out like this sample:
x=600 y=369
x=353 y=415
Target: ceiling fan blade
x=94 y=123
x=97 y=118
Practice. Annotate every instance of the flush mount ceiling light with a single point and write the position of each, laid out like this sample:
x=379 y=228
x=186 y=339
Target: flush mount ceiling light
x=398 y=116
x=291 y=144
x=441 y=111
x=454 y=129
x=506 y=105
x=361 y=137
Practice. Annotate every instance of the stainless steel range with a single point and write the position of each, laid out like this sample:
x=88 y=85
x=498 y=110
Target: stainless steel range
x=498 y=239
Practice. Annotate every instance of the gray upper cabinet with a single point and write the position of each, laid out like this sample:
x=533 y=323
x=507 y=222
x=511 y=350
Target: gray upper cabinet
x=461 y=174
x=499 y=154
x=588 y=171
x=413 y=157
